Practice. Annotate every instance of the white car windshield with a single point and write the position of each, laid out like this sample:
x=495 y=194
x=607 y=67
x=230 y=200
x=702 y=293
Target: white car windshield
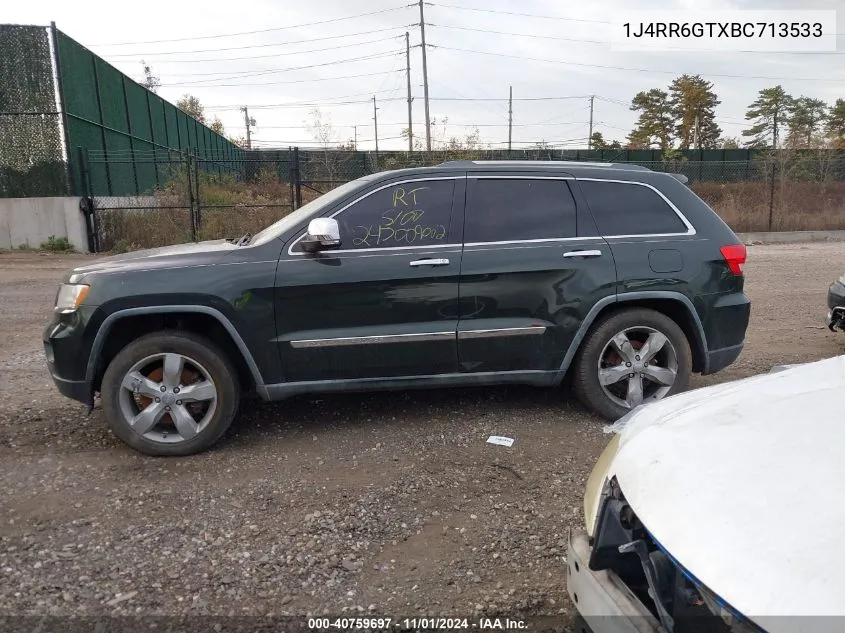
x=278 y=228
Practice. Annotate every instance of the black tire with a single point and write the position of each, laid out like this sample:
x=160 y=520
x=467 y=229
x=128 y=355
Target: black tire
x=586 y=384
x=194 y=348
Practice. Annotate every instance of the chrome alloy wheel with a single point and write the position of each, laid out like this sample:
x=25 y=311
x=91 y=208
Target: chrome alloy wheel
x=637 y=364
x=167 y=398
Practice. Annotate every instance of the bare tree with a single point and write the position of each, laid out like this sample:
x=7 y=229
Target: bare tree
x=333 y=155
x=151 y=81
x=217 y=126
x=191 y=106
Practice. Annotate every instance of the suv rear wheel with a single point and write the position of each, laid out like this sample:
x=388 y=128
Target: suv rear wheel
x=170 y=393
x=633 y=356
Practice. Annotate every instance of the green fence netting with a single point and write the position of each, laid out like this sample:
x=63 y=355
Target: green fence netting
x=131 y=136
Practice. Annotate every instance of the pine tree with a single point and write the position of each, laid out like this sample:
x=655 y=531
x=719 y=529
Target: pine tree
x=655 y=124
x=836 y=124
x=693 y=104
x=769 y=112
x=806 y=119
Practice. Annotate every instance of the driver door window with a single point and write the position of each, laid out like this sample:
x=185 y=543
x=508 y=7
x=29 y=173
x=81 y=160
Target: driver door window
x=410 y=214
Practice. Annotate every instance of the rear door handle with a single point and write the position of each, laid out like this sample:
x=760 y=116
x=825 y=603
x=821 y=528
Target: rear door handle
x=593 y=253
x=429 y=262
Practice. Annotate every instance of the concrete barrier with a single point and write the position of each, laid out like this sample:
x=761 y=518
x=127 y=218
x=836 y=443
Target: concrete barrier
x=792 y=237
x=30 y=222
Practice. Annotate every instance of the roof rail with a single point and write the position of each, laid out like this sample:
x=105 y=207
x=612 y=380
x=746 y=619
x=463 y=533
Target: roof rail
x=557 y=163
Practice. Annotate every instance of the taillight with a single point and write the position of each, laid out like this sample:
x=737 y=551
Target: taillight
x=735 y=255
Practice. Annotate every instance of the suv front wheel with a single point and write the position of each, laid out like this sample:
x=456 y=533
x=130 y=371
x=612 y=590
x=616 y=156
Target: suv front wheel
x=631 y=357
x=170 y=393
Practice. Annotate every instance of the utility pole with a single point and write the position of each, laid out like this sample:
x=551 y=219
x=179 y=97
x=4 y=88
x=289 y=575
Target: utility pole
x=375 y=123
x=510 y=117
x=355 y=142
x=425 y=79
x=410 y=109
x=590 y=138
x=249 y=122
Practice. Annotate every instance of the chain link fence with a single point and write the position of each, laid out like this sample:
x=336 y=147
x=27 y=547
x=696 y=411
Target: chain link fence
x=31 y=144
x=205 y=199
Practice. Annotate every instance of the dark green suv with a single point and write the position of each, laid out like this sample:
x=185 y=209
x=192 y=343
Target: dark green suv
x=467 y=273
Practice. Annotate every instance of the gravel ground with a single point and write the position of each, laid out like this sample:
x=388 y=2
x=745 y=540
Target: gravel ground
x=389 y=504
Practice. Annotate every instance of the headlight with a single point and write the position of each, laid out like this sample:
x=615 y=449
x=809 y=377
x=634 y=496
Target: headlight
x=597 y=483
x=70 y=297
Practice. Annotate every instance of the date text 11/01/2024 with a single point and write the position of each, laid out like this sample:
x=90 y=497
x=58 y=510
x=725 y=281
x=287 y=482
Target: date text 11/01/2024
x=416 y=624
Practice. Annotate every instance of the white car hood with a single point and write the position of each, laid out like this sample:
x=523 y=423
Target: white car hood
x=741 y=484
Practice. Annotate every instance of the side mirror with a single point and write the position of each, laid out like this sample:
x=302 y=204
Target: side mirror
x=322 y=234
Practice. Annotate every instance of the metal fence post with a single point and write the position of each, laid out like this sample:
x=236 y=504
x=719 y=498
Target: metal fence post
x=298 y=179
x=92 y=226
x=57 y=63
x=772 y=192
x=197 y=197
x=190 y=183
x=291 y=176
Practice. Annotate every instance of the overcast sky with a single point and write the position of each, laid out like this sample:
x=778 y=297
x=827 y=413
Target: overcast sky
x=565 y=54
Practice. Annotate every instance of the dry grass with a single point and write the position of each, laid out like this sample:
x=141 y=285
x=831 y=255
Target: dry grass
x=798 y=206
x=123 y=230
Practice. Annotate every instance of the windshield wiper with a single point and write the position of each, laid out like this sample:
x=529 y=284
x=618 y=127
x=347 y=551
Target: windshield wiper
x=244 y=239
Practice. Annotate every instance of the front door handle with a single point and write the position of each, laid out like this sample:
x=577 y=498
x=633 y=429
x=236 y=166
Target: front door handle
x=429 y=262
x=593 y=253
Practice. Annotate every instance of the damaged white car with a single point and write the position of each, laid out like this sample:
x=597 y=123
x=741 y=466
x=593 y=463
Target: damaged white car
x=719 y=510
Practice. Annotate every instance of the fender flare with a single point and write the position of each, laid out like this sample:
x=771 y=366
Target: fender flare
x=587 y=323
x=114 y=317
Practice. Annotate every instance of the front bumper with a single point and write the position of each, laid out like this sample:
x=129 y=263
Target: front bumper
x=603 y=600
x=836 y=306
x=66 y=356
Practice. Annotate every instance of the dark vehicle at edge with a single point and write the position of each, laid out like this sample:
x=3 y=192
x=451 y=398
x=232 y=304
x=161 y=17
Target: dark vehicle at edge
x=616 y=277
x=836 y=305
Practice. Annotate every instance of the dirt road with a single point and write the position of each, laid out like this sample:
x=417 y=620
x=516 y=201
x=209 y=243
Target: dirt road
x=389 y=504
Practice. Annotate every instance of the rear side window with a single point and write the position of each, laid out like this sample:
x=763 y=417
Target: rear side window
x=512 y=209
x=621 y=208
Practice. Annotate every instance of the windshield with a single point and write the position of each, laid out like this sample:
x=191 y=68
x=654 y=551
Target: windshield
x=292 y=219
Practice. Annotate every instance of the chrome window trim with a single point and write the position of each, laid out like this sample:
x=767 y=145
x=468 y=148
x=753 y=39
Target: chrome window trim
x=367 y=195
x=379 y=339
x=514 y=177
x=536 y=241
x=390 y=249
x=531 y=330
x=690 y=228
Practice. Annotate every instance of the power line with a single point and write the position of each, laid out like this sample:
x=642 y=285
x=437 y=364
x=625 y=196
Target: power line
x=302 y=104
x=525 y=15
x=531 y=35
x=471 y=125
x=500 y=99
x=312 y=141
x=277 y=28
x=295 y=81
x=642 y=70
x=240 y=48
x=233 y=59
x=284 y=70
x=292 y=103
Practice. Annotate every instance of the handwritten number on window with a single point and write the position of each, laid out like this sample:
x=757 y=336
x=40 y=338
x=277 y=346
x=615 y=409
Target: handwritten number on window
x=403 y=224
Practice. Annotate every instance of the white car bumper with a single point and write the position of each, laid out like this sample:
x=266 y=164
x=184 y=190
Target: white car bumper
x=604 y=602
